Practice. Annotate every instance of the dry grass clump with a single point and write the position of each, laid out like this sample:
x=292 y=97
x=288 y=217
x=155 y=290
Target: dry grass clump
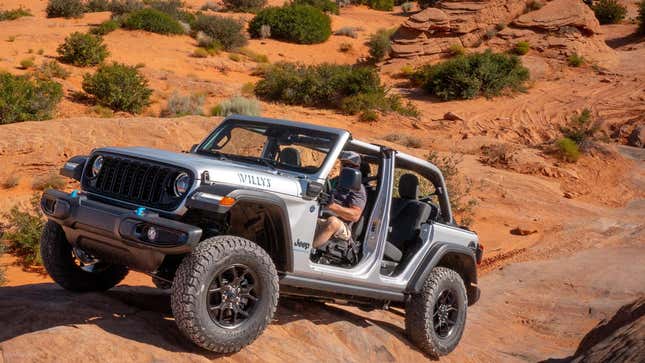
x=49 y=181
x=498 y=155
x=183 y=105
x=405 y=140
x=237 y=105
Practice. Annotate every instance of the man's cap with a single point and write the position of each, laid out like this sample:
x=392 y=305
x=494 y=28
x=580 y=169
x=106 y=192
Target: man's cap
x=351 y=157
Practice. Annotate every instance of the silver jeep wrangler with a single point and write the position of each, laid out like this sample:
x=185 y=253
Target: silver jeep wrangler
x=228 y=227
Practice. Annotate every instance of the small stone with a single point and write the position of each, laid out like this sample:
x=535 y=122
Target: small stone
x=522 y=232
x=452 y=116
x=568 y=195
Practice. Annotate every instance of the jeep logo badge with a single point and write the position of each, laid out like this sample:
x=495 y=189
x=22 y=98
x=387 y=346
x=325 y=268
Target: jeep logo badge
x=258 y=181
x=301 y=245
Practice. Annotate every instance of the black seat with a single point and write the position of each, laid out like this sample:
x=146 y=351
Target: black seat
x=407 y=213
x=290 y=156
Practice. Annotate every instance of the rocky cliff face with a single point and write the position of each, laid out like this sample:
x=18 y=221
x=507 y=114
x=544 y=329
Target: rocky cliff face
x=557 y=30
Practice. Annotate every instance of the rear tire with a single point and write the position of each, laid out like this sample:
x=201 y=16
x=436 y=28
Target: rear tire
x=435 y=318
x=225 y=293
x=64 y=268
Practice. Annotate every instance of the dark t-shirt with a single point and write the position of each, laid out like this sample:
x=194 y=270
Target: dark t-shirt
x=351 y=198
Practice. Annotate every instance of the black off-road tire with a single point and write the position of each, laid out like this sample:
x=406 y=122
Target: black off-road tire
x=59 y=262
x=420 y=309
x=195 y=276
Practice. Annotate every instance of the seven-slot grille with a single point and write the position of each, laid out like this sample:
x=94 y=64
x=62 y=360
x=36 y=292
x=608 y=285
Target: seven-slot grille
x=136 y=181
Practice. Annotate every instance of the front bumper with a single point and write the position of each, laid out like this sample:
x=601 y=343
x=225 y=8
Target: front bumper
x=118 y=235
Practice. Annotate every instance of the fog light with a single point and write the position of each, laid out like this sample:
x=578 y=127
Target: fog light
x=152 y=233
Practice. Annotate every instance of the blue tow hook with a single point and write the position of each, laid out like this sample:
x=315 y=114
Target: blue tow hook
x=74 y=193
x=140 y=211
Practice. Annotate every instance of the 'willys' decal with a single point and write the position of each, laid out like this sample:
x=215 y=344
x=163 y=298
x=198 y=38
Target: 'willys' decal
x=258 y=181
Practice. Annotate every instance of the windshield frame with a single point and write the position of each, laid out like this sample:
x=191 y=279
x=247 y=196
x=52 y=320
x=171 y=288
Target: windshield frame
x=337 y=139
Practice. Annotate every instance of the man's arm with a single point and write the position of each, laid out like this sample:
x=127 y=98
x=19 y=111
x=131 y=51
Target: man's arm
x=350 y=214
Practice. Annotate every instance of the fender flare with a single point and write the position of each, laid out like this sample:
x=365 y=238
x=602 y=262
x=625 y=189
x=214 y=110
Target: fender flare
x=434 y=258
x=278 y=208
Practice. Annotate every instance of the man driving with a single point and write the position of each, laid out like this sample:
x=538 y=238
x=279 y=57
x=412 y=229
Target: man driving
x=346 y=203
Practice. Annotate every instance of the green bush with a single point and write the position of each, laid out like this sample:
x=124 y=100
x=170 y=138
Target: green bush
x=106 y=27
x=609 y=11
x=581 y=129
x=228 y=33
x=457 y=49
x=23 y=238
x=368 y=116
x=237 y=105
x=65 y=9
x=120 y=7
x=174 y=9
x=82 y=50
x=380 y=44
x=567 y=149
x=327 y=6
x=522 y=48
x=301 y=24
x=575 y=60
x=383 y=5
x=244 y=5
x=27 y=63
x=152 y=20
x=119 y=87
x=93 y=6
x=14 y=14
x=23 y=99
x=641 y=17
x=472 y=75
x=179 y=105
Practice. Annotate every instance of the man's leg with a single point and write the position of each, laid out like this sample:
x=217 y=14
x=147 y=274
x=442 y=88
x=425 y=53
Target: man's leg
x=325 y=229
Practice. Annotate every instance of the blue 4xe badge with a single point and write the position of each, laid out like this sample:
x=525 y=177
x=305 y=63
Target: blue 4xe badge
x=301 y=245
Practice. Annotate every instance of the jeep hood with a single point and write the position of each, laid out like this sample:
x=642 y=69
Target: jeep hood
x=247 y=176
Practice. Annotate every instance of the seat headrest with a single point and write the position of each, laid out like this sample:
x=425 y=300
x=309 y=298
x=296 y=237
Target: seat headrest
x=409 y=186
x=290 y=156
x=350 y=178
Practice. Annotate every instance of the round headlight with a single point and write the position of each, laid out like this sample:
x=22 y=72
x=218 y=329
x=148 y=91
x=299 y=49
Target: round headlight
x=97 y=165
x=182 y=184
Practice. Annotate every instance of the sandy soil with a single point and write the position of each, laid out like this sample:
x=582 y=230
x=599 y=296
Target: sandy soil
x=541 y=292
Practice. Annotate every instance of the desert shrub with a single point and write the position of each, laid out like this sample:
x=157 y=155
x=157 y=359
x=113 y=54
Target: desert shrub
x=179 y=105
x=235 y=57
x=405 y=140
x=458 y=187
x=119 y=87
x=581 y=129
x=65 y=9
x=457 y=49
x=237 y=105
x=533 y=5
x=347 y=31
x=406 y=71
x=380 y=44
x=23 y=99
x=174 y=9
x=12 y=181
x=200 y=53
x=154 y=21
x=383 y=5
x=368 y=116
x=472 y=75
x=97 y=5
x=27 y=63
x=500 y=26
x=49 y=181
x=244 y=5
x=575 y=60
x=227 y=32
x=427 y=3
x=301 y=24
x=567 y=150
x=255 y=57
x=14 y=14
x=609 y=11
x=327 y=6
x=248 y=89
x=641 y=17
x=51 y=69
x=345 y=47
x=211 y=5
x=82 y=50
x=120 y=7
x=521 y=48
x=498 y=155
x=407 y=7
x=102 y=111
x=106 y=27
x=23 y=237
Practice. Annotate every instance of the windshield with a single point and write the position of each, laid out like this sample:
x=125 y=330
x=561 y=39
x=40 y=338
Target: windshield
x=275 y=146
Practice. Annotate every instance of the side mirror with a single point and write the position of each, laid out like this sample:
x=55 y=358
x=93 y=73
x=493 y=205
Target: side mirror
x=73 y=168
x=313 y=189
x=194 y=148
